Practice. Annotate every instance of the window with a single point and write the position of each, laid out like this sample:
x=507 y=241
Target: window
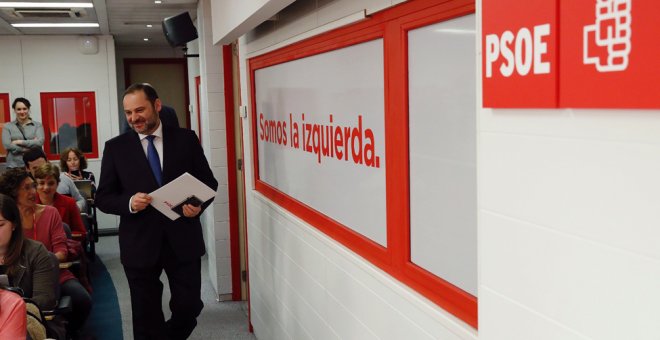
x=4 y=118
x=69 y=120
x=367 y=133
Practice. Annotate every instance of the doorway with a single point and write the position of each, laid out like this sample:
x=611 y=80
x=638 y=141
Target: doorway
x=169 y=77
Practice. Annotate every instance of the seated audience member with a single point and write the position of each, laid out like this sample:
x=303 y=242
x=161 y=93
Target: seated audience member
x=35 y=158
x=47 y=177
x=73 y=164
x=13 y=324
x=43 y=223
x=26 y=263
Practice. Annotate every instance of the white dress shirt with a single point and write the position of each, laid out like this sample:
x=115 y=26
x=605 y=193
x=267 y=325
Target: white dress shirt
x=158 y=143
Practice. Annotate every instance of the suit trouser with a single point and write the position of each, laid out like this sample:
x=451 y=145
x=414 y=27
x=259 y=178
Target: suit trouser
x=147 y=293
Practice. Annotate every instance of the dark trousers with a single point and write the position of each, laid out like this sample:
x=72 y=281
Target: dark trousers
x=81 y=304
x=147 y=294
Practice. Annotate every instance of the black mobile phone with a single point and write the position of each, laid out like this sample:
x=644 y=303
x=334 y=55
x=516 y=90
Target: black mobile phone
x=192 y=200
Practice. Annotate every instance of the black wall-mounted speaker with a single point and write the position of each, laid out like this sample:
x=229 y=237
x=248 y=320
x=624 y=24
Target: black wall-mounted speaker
x=179 y=29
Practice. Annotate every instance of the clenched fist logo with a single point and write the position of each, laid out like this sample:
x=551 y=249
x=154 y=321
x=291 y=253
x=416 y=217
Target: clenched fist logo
x=607 y=42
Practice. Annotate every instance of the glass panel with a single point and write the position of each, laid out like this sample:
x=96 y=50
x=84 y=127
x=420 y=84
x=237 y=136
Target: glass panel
x=71 y=125
x=4 y=117
x=330 y=151
x=442 y=125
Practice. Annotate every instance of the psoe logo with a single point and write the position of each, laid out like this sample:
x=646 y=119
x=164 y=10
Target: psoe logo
x=609 y=37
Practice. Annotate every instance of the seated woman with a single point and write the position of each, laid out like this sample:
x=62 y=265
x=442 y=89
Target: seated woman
x=73 y=164
x=48 y=177
x=27 y=263
x=43 y=223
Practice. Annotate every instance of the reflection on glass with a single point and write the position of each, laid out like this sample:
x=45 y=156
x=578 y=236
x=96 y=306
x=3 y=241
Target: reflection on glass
x=70 y=124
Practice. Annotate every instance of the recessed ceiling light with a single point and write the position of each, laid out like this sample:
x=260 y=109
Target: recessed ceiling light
x=158 y=2
x=146 y=39
x=46 y=4
x=150 y=25
x=90 y=24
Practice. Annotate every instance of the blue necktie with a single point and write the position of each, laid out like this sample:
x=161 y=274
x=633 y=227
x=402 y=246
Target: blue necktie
x=154 y=160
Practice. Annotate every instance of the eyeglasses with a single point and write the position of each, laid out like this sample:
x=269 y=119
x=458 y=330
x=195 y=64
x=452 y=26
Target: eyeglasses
x=28 y=187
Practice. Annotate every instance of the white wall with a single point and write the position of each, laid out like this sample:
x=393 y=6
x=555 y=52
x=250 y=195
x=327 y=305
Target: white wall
x=568 y=224
x=214 y=141
x=233 y=18
x=34 y=64
x=193 y=71
x=304 y=285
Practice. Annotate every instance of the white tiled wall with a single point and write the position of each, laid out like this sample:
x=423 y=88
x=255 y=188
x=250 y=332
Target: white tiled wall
x=568 y=214
x=304 y=285
x=216 y=221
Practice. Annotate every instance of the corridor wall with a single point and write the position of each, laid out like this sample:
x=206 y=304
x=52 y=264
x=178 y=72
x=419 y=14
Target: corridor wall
x=34 y=64
x=567 y=208
x=303 y=282
x=568 y=211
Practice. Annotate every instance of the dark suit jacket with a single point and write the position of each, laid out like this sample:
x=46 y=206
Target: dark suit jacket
x=167 y=115
x=125 y=171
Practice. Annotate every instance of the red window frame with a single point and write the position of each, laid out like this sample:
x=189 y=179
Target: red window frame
x=392 y=25
x=49 y=121
x=5 y=119
x=198 y=85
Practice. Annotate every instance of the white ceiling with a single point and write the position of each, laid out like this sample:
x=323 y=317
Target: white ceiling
x=126 y=20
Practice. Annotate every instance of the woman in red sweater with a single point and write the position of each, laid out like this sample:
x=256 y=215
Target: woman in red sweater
x=43 y=223
x=48 y=177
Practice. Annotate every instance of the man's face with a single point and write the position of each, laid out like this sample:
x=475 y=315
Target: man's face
x=31 y=166
x=140 y=114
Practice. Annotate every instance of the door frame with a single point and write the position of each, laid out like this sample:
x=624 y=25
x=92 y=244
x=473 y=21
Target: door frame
x=232 y=181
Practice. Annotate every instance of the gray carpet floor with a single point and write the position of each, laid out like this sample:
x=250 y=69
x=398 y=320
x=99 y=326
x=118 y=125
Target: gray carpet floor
x=219 y=320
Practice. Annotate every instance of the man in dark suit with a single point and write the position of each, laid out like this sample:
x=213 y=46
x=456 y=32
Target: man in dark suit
x=149 y=241
x=167 y=116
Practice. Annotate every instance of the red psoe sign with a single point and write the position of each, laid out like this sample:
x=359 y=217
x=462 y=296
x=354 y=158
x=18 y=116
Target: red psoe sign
x=519 y=53
x=610 y=54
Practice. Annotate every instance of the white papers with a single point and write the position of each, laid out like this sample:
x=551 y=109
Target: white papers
x=176 y=191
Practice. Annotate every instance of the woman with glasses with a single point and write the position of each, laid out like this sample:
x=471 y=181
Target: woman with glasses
x=43 y=223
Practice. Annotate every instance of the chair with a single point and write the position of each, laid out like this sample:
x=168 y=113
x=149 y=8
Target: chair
x=56 y=318
x=89 y=216
x=78 y=265
x=52 y=320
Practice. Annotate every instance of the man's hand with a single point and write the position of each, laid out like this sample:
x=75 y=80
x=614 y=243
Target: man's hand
x=140 y=201
x=190 y=210
x=17 y=142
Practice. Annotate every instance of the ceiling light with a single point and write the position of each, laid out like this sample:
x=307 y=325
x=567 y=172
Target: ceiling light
x=90 y=24
x=146 y=39
x=46 y=4
x=150 y=25
x=158 y=2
